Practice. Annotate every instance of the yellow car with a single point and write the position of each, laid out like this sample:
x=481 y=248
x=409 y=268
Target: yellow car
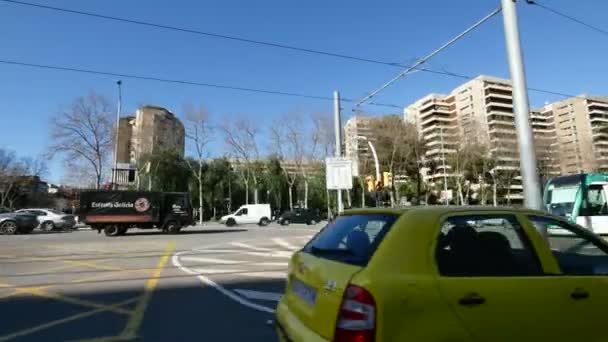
x=446 y=274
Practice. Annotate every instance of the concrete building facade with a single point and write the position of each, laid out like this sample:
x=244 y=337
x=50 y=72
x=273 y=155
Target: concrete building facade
x=479 y=111
x=151 y=130
x=571 y=136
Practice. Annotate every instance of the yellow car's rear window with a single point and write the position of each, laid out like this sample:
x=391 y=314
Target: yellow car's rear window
x=351 y=239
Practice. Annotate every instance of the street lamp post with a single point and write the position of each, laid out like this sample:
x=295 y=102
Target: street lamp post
x=375 y=155
x=114 y=175
x=445 y=177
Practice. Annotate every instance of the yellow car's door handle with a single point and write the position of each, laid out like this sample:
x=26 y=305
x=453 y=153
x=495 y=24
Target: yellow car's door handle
x=579 y=294
x=472 y=299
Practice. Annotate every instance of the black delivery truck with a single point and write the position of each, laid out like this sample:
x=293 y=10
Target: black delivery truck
x=115 y=212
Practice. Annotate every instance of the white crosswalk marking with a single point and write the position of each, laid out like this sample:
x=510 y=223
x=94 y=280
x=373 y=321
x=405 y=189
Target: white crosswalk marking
x=217 y=270
x=284 y=244
x=253 y=248
x=211 y=260
x=265 y=274
x=261 y=295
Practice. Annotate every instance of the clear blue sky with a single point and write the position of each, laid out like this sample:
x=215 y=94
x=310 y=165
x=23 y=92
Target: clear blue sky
x=559 y=55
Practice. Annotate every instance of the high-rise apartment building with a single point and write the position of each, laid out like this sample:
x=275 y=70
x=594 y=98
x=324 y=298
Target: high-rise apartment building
x=151 y=130
x=570 y=136
x=581 y=133
x=479 y=111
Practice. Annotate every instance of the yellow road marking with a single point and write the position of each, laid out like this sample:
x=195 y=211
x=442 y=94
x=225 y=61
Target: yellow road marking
x=62 y=320
x=130 y=330
x=109 y=275
x=70 y=300
x=47 y=270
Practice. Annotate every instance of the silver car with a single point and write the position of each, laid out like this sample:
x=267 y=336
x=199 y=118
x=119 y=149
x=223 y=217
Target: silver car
x=51 y=219
x=14 y=223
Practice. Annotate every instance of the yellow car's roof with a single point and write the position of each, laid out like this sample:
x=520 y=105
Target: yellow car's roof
x=439 y=210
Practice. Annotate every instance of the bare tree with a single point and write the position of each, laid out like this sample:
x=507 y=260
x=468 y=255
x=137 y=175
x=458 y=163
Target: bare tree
x=82 y=134
x=242 y=137
x=17 y=172
x=198 y=131
x=10 y=171
x=394 y=146
x=323 y=125
x=286 y=140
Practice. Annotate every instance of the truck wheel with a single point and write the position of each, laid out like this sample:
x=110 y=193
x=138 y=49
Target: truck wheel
x=111 y=230
x=264 y=222
x=231 y=222
x=172 y=227
x=285 y=222
x=312 y=222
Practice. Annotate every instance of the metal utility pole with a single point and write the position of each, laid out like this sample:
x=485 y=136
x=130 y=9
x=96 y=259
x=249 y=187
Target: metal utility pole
x=338 y=133
x=529 y=176
x=114 y=175
x=445 y=176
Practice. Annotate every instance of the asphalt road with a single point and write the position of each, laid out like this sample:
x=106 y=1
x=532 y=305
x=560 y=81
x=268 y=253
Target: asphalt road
x=207 y=284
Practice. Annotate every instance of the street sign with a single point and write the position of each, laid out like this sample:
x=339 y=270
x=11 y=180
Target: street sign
x=339 y=173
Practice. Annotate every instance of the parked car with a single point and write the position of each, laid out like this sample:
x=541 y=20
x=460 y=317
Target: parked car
x=300 y=215
x=446 y=274
x=250 y=213
x=51 y=219
x=17 y=223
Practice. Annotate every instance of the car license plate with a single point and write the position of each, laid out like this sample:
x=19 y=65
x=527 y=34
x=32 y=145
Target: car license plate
x=304 y=292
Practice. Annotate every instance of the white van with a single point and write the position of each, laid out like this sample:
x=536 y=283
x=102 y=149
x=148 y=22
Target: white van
x=249 y=213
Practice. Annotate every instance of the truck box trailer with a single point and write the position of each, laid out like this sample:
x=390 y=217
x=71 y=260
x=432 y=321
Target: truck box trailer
x=115 y=212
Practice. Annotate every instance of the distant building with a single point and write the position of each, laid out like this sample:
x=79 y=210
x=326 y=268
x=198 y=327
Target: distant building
x=570 y=136
x=151 y=130
x=354 y=147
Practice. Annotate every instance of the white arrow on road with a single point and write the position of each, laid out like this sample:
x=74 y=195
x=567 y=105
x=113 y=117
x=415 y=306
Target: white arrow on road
x=260 y=295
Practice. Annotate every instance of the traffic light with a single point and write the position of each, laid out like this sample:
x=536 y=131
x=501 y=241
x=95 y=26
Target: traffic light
x=369 y=180
x=387 y=178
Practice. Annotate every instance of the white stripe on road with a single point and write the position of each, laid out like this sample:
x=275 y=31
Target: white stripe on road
x=260 y=295
x=266 y=274
x=277 y=254
x=271 y=264
x=230 y=294
x=253 y=248
x=284 y=244
x=211 y=260
x=216 y=270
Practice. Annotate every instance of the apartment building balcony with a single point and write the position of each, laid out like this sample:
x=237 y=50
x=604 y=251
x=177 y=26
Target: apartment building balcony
x=502 y=130
x=592 y=105
x=597 y=120
x=498 y=87
x=447 y=118
x=447 y=134
x=500 y=111
x=502 y=95
x=446 y=143
x=440 y=125
x=438 y=151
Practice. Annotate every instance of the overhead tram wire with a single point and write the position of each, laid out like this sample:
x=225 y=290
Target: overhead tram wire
x=429 y=56
x=277 y=45
x=263 y=43
x=183 y=82
x=567 y=16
